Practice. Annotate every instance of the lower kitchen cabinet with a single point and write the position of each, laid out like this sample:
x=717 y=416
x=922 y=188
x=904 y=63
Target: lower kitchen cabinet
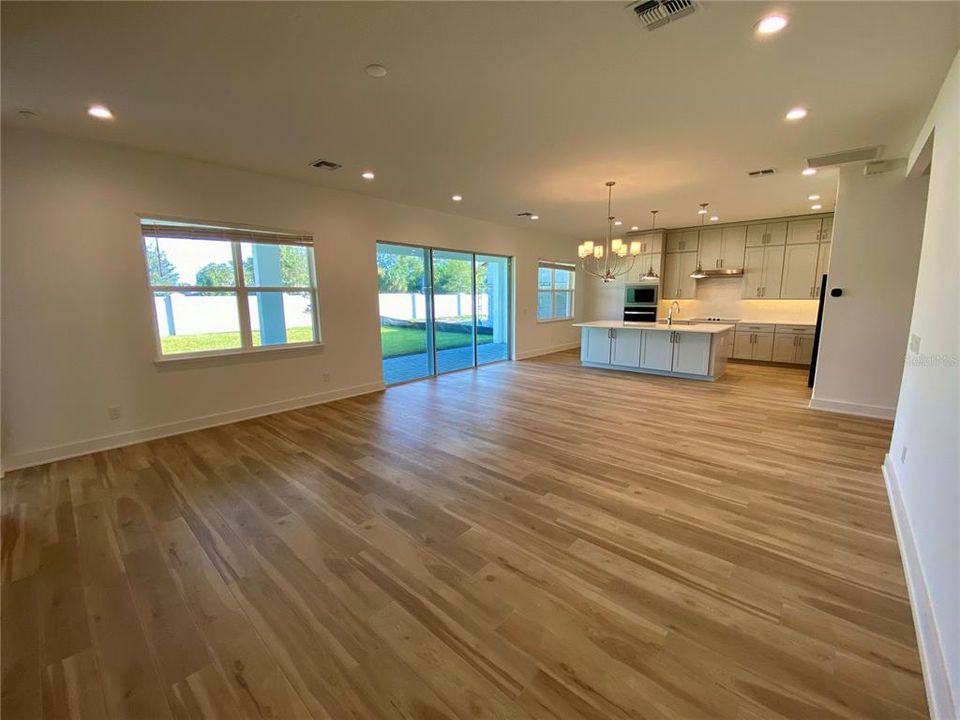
x=774 y=343
x=656 y=351
x=625 y=348
x=753 y=346
x=595 y=345
x=691 y=353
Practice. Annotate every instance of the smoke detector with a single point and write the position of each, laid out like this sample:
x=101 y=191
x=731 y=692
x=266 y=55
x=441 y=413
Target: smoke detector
x=653 y=14
x=326 y=164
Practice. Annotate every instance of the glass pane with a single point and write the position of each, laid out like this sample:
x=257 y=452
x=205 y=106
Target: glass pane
x=544 y=278
x=453 y=309
x=406 y=334
x=563 y=304
x=197 y=321
x=493 y=308
x=182 y=261
x=544 y=306
x=280 y=318
x=563 y=279
x=266 y=265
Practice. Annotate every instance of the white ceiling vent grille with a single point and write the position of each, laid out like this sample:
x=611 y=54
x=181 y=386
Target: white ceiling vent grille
x=653 y=14
x=846 y=157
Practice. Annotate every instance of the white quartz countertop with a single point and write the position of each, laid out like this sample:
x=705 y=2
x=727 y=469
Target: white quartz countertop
x=709 y=328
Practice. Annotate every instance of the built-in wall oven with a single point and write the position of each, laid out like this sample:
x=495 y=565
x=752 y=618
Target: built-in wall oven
x=640 y=303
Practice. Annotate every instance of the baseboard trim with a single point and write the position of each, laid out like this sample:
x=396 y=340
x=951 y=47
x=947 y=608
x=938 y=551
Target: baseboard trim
x=130 y=437
x=848 y=408
x=935 y=676
x=547 y=351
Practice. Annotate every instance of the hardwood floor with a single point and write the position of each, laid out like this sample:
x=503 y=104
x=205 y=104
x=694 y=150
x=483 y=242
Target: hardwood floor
x=530 y=540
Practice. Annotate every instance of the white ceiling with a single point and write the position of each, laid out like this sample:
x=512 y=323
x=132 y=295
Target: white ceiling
x=517 y=106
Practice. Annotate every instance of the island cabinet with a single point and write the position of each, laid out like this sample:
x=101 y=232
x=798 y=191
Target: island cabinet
x=699 y=353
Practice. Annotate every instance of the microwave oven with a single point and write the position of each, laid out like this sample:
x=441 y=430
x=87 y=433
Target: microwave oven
x=641 y=295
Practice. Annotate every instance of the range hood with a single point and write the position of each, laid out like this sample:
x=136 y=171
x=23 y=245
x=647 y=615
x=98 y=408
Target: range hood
x=723 y=272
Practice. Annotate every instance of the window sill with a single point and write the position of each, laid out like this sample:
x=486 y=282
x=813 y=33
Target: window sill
x=237 y=355
x=555 y=320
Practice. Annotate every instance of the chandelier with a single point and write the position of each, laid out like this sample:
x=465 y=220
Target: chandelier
x=608 y=260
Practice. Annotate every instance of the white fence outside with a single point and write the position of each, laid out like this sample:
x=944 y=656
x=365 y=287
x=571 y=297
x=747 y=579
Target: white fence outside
x=412 y=306
x=197 y=314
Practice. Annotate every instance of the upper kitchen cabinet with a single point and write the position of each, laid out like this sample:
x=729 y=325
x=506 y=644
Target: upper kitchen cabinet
x=823 y=265
x=723 y=247
x=651 y=254
x=676 y=282
x=826 y=229
x=807 y=230
x=800 y=271
x=774 y=233
x=762 y=272
x=682 y=241
x=650 y=242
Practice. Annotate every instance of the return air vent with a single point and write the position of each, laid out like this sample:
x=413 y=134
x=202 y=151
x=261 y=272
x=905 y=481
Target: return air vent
x=761 y=173
x=653 y=14
x=326 y=165
x=846 y=157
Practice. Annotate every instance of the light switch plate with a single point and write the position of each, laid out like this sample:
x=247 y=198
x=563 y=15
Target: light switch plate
x=914 y=344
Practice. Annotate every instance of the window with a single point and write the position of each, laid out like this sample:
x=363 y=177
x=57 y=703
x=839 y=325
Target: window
x=555 y=291
x=227 y=290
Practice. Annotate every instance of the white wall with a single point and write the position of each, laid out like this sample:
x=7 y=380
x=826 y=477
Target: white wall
x=877 y=230
x=77 y=331
x=925 y=484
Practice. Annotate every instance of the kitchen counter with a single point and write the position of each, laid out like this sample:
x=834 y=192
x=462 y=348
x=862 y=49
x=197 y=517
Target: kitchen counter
x=710 y=328
x=697 y=351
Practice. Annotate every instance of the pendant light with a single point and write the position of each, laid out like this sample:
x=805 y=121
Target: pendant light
x=651 y=274
x=609 y=260
x=699 y=274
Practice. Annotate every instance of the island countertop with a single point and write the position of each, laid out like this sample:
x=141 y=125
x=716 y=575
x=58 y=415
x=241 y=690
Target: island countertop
x=709 y=328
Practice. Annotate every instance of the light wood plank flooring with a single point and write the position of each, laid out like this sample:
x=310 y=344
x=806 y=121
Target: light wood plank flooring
x=530 y=540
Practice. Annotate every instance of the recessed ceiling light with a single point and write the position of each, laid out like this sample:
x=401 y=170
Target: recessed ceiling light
x=634 y=227
x=375 y=70
x=367 y=175
x=456 y=198
x=714 y=218
x=771 y=24
x=100 y=111
x=618 y=222
x=813 y=197
x=809 y=171
x=797 y=113
x=816 y=207
x=534 y=217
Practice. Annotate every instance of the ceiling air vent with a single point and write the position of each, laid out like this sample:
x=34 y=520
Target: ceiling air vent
x=657 y=13
x=846 y=157
x=326 y=165
x=761 y=173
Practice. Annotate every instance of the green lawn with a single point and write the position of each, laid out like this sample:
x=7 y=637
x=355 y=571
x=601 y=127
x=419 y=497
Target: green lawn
x=209 y=342
x=396 y=340
x=407 y=341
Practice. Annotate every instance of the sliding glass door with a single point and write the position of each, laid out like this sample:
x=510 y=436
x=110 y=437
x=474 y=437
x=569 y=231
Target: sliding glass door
x=441 y=310
x=453 y=326
x=406 y=325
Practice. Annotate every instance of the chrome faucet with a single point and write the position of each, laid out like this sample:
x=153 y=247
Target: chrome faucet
x=670 y=312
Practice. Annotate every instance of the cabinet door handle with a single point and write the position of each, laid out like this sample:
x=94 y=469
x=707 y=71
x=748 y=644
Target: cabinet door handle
x=758 y=292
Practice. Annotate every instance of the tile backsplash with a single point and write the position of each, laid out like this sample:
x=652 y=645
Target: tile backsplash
x=720 y=297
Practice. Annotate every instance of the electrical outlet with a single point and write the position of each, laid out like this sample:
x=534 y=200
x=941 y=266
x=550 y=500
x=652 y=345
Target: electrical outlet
x=903 y=454
x=914 y=344
x=326 y=377
x=113 y=412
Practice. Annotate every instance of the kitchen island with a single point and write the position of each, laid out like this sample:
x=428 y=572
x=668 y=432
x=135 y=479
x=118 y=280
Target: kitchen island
x=697 y=351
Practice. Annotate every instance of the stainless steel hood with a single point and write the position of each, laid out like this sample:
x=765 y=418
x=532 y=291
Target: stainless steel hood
x=721 y=272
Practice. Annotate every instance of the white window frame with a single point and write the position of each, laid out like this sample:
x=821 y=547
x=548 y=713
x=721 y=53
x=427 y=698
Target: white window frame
x=553 y=266
x=235 y=236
